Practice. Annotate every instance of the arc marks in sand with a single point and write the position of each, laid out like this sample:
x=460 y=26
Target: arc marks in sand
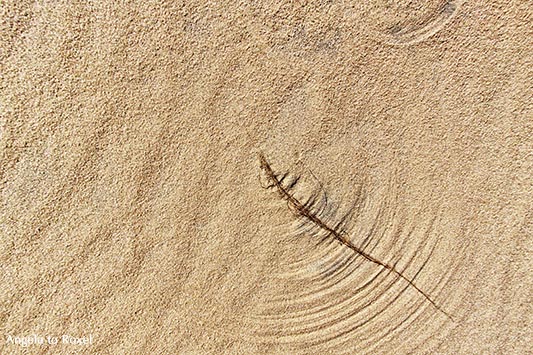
x=335 y=232
x=442 y=17
x=325 y=295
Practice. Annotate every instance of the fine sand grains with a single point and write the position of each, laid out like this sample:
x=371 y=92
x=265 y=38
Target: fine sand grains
x=132 y=210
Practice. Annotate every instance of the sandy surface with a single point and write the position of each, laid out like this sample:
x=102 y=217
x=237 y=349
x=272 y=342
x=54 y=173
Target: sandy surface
x=134 y=216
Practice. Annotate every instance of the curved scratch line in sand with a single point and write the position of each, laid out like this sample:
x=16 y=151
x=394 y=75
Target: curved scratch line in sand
x=407 y=37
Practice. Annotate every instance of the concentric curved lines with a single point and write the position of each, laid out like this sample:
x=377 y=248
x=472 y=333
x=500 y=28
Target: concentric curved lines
x=351 y=287
x=369 y=234
x=330 y=284
x=336 y=266
x=409 y=36
x=389 y=285
x=318 y=295
x=332 y=307
x=338 y=311
x=318 y=333
x=444 y=284
x=333 y=285
x=316 y=340
x=419 y=306
x=416 y=311
x=307 y=268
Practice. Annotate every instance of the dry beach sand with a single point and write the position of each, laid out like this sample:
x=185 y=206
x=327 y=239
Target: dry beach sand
x=136 y=218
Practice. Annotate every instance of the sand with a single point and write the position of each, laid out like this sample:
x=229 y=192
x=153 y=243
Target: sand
x=135 y=218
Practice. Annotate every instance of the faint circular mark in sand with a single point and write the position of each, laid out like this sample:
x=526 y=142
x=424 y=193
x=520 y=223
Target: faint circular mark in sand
x=410 y=24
